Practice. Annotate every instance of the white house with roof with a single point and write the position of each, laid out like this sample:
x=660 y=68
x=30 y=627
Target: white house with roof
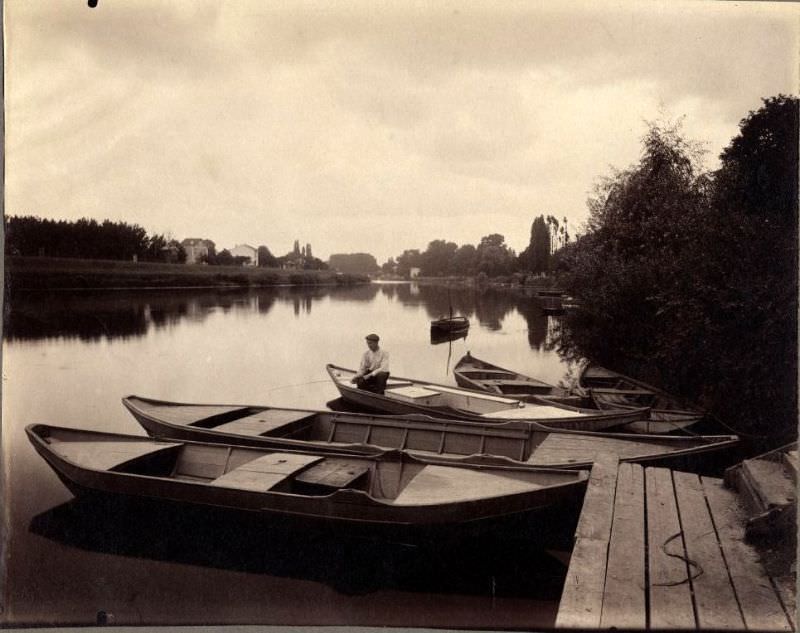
x=245 y=250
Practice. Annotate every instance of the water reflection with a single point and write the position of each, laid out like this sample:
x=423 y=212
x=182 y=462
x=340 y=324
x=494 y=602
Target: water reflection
x=438 y=337
x=93 y=316
x=223 y=539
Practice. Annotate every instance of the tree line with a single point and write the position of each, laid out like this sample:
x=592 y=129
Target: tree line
x=491 y=257
x=689 y=278
x=89 y=239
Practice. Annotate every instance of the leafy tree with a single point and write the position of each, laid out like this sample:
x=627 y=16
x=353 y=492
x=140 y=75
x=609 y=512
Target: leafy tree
x=362 y=263
x=690 y=281
x=410 y=258
x=224 y=258
x=536 y=256
x=389 y=266
x=465 y=260
x=437 y=259
x=494 y=256
x=266 y=259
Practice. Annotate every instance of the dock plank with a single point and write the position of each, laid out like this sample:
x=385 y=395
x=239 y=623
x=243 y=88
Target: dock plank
x=582 y=598
x=787 y=592
x=670 y=593
x=624 y=601
x=715 y=601
x=760 y=604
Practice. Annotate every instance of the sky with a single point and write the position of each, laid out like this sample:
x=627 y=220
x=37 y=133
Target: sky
x=364 y=126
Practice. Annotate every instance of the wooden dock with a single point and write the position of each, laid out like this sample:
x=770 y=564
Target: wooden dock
x=661 y=549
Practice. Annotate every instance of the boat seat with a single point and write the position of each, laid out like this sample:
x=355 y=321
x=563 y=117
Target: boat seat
x=470 y=394
x=265 y=472
x=334 y=473
x=394 y=382
x=263 y=422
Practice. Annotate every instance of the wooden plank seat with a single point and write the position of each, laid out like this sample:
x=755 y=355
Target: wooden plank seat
x=659 y=549
x=265 y=472
x=335 y=473
x=264 y=422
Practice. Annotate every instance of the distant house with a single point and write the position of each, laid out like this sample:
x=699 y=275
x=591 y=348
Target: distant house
x=247 y=251
x=413 y=272
x=197 y=249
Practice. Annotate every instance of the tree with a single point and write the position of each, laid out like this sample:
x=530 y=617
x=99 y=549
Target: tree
x=536 y=256
x=224 y=258
x=690 y=281
x=464 y=260
x=437 y=259
x=410 y=258
x=494 y=256
x=355 y=263
x=390 y=266
x=266 y=259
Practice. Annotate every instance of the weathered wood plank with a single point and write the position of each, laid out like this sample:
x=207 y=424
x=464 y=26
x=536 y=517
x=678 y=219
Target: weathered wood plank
x=107 y=455
x=582 y=598
x=334 y=473
x=625 y=588
x=714 y=599
x=670 y=596
x=760 y=604
x=598 y=503
x=787 y=592
x=581 y=602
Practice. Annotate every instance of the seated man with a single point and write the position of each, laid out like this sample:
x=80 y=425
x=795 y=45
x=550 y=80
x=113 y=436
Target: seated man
x=374 y=370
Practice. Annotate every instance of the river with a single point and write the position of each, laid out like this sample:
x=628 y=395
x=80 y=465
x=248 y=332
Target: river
x=68 y=359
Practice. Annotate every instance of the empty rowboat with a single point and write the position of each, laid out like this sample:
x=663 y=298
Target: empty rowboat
x=385 y=490
x=612 y=390
x=359 y=434
x=474 y=373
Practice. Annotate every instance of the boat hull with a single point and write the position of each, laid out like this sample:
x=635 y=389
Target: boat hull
x=348 y=509
x=582 y=420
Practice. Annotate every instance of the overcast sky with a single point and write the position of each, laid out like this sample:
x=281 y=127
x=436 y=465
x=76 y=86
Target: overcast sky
x=374 y=126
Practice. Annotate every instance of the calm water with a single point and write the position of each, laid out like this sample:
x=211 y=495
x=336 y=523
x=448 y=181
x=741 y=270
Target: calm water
x=69 y=359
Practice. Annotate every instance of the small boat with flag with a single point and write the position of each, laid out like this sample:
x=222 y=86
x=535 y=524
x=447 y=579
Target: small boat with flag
x=368 y=435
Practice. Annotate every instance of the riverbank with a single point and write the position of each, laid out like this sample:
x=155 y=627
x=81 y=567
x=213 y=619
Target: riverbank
x=51 y=273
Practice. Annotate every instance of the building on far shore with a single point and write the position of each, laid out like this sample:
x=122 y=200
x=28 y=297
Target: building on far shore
x=413 y=272
x=246 y=251
x=197 y=250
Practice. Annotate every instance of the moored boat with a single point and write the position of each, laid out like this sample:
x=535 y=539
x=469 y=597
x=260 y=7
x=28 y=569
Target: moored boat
x=450 y=324
x=479 y=374
x=384 y=490
x=406 y=395
x=612 y=390
x=353 y=433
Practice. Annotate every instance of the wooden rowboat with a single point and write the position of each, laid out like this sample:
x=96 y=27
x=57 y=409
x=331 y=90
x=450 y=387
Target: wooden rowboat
x=450 y=324
x=474 y=373
x=388 y=489
x=354 y=433
x=612 y=390
x=405 y=395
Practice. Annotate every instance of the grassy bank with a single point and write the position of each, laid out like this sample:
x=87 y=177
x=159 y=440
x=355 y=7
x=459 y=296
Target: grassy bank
x=45 y=273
